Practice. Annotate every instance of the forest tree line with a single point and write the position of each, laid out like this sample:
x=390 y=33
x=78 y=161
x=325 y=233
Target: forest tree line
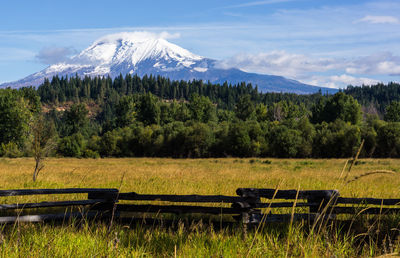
x=155 y=117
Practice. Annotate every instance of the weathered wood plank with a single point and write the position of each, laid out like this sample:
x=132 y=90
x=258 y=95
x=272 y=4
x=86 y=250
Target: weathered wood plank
x=56 y=191
x=376 y=201
x=112 y=196
x=180 y=198
x=285 y=194
x=178 y=209
x=50 y=204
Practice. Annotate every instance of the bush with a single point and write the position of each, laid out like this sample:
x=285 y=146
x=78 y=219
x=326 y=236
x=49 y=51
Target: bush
x=10 y=150
x=198 y=140
x=388 y=140
x=72 y=146
x=108 y=144
x=239 y=142
x=338 y=139
x=88 y=153
x=285 y=142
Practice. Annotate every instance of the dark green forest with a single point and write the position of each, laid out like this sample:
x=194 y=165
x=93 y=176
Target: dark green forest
x=156 y=117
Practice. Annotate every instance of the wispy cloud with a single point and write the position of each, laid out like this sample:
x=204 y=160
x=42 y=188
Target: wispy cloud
x=351 y=80
x=8 y=54
x=279 y=63
x=167 y=35
x=379 y=19
x=340 y=81
x=139 y=35
x=318 y=71
x=383 y=63
x=232 y=14
x=258 y=3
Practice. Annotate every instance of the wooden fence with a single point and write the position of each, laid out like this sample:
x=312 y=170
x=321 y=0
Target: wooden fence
x=250 y=206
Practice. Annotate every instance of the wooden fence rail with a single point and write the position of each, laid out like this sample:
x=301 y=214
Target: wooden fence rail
x=251 y=205
x=58 y=191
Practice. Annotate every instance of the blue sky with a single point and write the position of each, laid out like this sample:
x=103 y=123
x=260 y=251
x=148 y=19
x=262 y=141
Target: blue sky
x=326 y=43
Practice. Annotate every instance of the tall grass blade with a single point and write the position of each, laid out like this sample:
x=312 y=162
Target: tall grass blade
x=355 y=158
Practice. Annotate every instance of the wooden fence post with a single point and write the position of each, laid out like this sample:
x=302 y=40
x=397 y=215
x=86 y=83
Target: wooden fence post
x=322 y=202
x=250 y=214
x=106 y=208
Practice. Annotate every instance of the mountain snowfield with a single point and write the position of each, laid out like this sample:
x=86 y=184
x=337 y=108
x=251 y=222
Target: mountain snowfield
x=140 y=53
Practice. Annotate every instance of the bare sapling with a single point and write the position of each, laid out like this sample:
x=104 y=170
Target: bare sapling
x=43 y=142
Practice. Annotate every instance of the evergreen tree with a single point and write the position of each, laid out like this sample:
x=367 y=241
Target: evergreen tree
x=245 y=108
x=149 y=110
x=125 y=111
x=76 y=119
x=392 y=113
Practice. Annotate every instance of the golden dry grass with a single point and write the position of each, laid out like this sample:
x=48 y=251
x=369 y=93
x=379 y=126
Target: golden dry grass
x=203 y=176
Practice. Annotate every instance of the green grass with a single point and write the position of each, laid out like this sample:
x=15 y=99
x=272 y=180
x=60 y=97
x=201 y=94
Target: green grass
x=194 y=241
x=199 y=176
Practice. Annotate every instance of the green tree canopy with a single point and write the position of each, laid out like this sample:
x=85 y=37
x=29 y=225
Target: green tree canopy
x=14 y=117
x=201 y=109
x=76 y=119
x=125 y=111
x=149 y=109
x=245 y=108
x=338 y=106
x=392 y=113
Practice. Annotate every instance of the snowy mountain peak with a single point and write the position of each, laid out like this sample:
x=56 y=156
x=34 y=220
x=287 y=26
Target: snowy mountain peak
x=147 y=53
x=133 y=48
x=128 y=52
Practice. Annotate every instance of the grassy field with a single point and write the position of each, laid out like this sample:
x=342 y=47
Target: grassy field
x=197 y=176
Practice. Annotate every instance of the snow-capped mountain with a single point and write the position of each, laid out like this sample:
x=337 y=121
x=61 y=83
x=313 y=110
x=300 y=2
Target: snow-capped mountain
x=134 y=53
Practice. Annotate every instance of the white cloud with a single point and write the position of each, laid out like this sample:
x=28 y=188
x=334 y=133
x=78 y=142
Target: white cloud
x=294 y=65
x=167 y=35
x=379 y=19
x=139 y=35
x=340 y=81
x=347 y=79
x=389 y=67
x=318 y=71
x=52 y=55
x=383 y=63
x=279 y=62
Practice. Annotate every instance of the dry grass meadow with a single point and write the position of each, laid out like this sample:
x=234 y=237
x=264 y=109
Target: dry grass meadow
x=196 y=176
x=204 y=176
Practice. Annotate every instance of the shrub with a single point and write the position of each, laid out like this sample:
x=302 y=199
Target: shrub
x=72 y=146
x=10 y=150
